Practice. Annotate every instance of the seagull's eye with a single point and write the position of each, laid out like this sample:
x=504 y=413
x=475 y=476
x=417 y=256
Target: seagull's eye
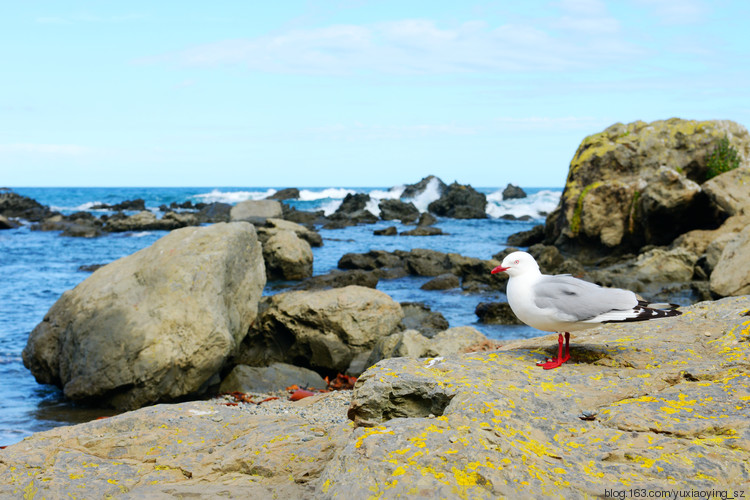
x=515 y=262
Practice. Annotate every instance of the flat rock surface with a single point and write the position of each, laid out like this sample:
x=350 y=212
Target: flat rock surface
x=662 y=405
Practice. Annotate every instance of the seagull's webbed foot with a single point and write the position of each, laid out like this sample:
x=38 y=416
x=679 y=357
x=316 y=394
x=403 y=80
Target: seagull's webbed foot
x=554 y=363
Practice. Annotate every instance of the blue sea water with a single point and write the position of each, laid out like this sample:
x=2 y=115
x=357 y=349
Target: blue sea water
x=37 y=267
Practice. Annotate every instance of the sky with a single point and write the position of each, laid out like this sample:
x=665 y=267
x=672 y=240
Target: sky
x=352 y=93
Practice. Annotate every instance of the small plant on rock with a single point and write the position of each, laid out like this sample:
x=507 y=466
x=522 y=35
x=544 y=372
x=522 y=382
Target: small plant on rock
x=722 y=159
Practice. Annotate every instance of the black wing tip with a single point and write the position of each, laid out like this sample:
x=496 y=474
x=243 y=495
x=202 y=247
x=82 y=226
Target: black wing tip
x=647 y=313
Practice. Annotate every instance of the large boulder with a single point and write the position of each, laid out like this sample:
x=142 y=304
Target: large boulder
x=147 y=221
x=285 y=194
x=731 y=276
x=256 y=211
x=272 y=378
x=407 y=213
x=287 y=256
x=460 y=202
x=155 y=325
x=322 y=330
x=730 y=191
x=423 y=187
x=353 y=210
x=512 y=192
x=274 y=225
x=638 y=184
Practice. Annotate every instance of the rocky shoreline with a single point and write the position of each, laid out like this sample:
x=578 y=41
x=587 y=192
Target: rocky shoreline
x=648 y=404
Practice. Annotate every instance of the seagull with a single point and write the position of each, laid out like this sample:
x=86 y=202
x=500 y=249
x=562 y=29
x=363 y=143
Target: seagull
x=563 y=304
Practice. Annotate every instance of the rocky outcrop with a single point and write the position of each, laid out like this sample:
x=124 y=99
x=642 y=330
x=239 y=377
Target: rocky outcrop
x=638 y=184
x=420 y=317
x=496 y=313
x=5 y=223
x=155 y=325
x=147 y=221
x=138 y=204
x=443 y=282
x=79 y=224
x=512 y=192
x=423 y=231
x=274 y=225
x=285 y=194
x=214 y=212
x=13 y=205
x=352 y=210
x=322 y=330
x=407 y=213
x=527 y=238
x=658 y=409
x=256 y=211
x=412 y=191
x=460 y=202
x=287 y=256
x=339 y=279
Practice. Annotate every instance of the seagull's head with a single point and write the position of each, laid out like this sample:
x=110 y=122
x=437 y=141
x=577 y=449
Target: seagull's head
x=516 y=264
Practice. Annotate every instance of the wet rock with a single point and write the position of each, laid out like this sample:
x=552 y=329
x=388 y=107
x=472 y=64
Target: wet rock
x=131 y=205
x=443 y=282
x=419 y=317
x=460 y=202
x=273 y=226
x=75 y=225
x=388 y=231
x=731 y=276
x=424 y=231
x=5 y=223
x=512 y=192
x=407 y=213
x=285 y=194
x=321 y=330
x=496 y=313
x=303 y=217
x=147 y=221
x=339 y=279
x=426 y=219
x=527 y=238
x=374 y=259
x=256 y=211
x=275 y=377
x=414 y=190
x=155 y=325
x=287 y=256
x=353 y=211
x=13 y=205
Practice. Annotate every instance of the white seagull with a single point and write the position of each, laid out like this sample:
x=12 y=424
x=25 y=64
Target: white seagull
x=564 y=304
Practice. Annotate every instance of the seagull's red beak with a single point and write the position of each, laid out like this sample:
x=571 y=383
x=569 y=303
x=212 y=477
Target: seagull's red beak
x=499 y=269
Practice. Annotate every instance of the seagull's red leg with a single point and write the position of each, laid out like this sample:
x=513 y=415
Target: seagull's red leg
x=554 y=363
x=567 y=347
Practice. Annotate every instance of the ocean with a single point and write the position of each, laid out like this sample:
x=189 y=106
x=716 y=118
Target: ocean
x=37 y=267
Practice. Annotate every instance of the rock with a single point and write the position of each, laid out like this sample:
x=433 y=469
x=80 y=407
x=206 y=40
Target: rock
x=731 y=276
x=388 y=231
x=638 y=184
x=424 y=231
x=199 y=450
x=287 y=257
x=256 y=211
x=214 y=212
x=412 y=191
x=648 y=407
x=493 y=425
x=5 y=223
x=274 y=225
x=728 y=192
x=426 y=219
x=274 y=377
x=424 y=262
x=512 y=192
x=352 y=209
x=302 y=217
x=657 y=266
x=76 y=225
x=419 y=317
x=132 y=205
x=527 y=238
x=412 y=344
x=285 y=194
x=155 y=325
x=496 y=313
x=460 y=202
x=339 y=279
x=374 y=259
x=407 y=213
x=321 y=330
x=22 y=207
x=147 y=221
x=443 y=282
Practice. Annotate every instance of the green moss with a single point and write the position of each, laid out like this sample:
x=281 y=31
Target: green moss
x=575 y=222
x=722 y=159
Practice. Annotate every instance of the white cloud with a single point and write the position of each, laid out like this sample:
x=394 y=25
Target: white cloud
x=45 y=149
x=419 y=46
x=677 y=11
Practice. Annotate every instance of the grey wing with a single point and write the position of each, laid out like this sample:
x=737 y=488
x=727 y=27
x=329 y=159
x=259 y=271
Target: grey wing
x=578 y=300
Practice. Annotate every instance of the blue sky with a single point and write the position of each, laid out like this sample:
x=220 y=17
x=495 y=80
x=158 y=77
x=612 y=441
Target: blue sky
x=349 y=92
